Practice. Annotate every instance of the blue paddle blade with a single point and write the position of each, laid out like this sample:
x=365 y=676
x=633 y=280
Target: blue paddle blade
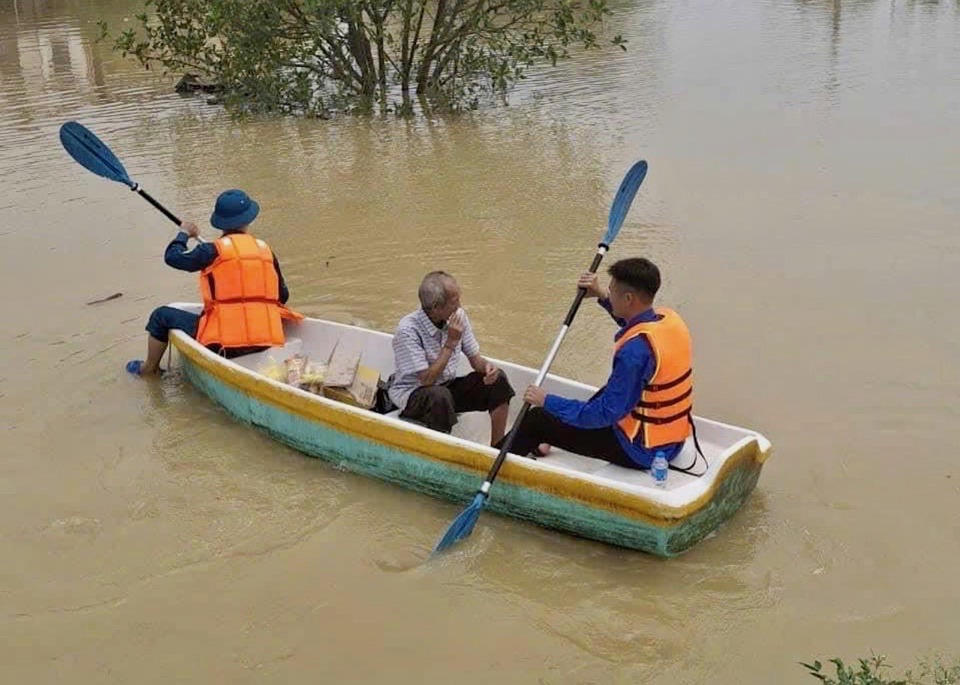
x=462 y=526
x=623 y=199
x=91 y=153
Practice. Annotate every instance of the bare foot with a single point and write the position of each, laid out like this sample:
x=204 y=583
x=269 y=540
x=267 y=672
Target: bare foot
x=543 y=449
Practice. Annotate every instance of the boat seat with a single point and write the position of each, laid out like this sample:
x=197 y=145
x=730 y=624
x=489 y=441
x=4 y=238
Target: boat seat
x=576 y=462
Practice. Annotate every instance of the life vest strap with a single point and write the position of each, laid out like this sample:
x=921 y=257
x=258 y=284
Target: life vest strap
x=689 y=469
x=247 y=300
x=666 y=386
x=665 y=403
x=660 y=420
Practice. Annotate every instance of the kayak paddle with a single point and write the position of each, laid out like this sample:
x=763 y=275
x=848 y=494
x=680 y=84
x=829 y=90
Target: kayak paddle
x=463 y=525
x=93 y=154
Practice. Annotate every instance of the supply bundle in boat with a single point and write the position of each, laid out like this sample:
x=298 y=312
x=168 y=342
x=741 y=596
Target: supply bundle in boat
x=342 y=377
x=568 y=492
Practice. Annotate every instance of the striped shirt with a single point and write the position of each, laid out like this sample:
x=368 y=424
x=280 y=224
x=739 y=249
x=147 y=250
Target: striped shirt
x=417 y=344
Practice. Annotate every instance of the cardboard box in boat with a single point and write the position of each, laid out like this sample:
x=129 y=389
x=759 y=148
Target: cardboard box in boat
x=362 y=392
x=349 y=381
x=341 y=367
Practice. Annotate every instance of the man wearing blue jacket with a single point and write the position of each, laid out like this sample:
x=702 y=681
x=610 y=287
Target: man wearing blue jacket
x=646 y=405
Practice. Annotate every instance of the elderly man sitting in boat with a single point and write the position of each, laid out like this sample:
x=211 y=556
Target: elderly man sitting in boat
x=243 y=291
x=427 y=346
x=645 y=406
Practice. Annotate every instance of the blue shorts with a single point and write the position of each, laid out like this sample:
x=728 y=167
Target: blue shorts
x=164 y=319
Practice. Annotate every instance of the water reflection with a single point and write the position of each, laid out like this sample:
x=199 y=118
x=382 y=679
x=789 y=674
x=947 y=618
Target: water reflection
x=378 y=204
x=51 y=68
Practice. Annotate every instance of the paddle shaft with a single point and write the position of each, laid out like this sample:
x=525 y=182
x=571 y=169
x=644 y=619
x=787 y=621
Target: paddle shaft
x=166 y=212
x=508 y=443
x=149 y=198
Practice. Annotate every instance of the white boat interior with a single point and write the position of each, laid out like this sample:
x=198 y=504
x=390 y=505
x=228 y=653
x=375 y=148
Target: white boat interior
x=316 y=338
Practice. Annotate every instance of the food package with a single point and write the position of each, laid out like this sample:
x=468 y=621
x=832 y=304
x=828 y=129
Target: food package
x=314 y=372
x=295 y=367
x=312 y=378
x=274 y=370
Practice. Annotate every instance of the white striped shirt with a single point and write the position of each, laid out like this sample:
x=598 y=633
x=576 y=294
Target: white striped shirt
x=417 y=344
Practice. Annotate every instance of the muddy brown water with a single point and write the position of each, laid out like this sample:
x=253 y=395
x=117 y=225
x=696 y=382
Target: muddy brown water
x=803 y=204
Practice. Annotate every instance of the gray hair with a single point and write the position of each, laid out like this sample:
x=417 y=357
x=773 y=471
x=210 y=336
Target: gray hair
x=433 y=290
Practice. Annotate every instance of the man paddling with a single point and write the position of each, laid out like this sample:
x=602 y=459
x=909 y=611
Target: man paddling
x=243 y=289
x=645 y=406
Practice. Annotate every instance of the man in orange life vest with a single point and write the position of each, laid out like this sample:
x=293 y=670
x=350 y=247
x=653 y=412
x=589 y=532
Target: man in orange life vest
x=241 y=283
x=646 y=405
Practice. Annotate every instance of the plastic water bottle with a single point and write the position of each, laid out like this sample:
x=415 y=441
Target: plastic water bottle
x=659 y=469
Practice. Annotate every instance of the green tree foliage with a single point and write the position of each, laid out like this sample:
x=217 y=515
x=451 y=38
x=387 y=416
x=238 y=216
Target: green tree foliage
x=873 y=671
x=314 y=56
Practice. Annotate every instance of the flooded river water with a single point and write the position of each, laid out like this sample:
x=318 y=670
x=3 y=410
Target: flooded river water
x=803 y=203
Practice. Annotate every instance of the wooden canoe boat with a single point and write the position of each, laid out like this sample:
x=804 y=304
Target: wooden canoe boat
x=575 y=494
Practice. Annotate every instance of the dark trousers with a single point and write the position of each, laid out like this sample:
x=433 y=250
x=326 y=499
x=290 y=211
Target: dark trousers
x=538 y=426
x=164 y=319
x=437 y=406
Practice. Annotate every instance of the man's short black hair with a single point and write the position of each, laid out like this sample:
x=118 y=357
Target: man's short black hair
x=638 y=274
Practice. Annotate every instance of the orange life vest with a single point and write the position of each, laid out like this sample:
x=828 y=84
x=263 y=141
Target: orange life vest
x=241 y=296
x=664 y=413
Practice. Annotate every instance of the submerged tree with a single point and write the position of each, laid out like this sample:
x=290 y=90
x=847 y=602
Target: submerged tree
x=312 y=56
